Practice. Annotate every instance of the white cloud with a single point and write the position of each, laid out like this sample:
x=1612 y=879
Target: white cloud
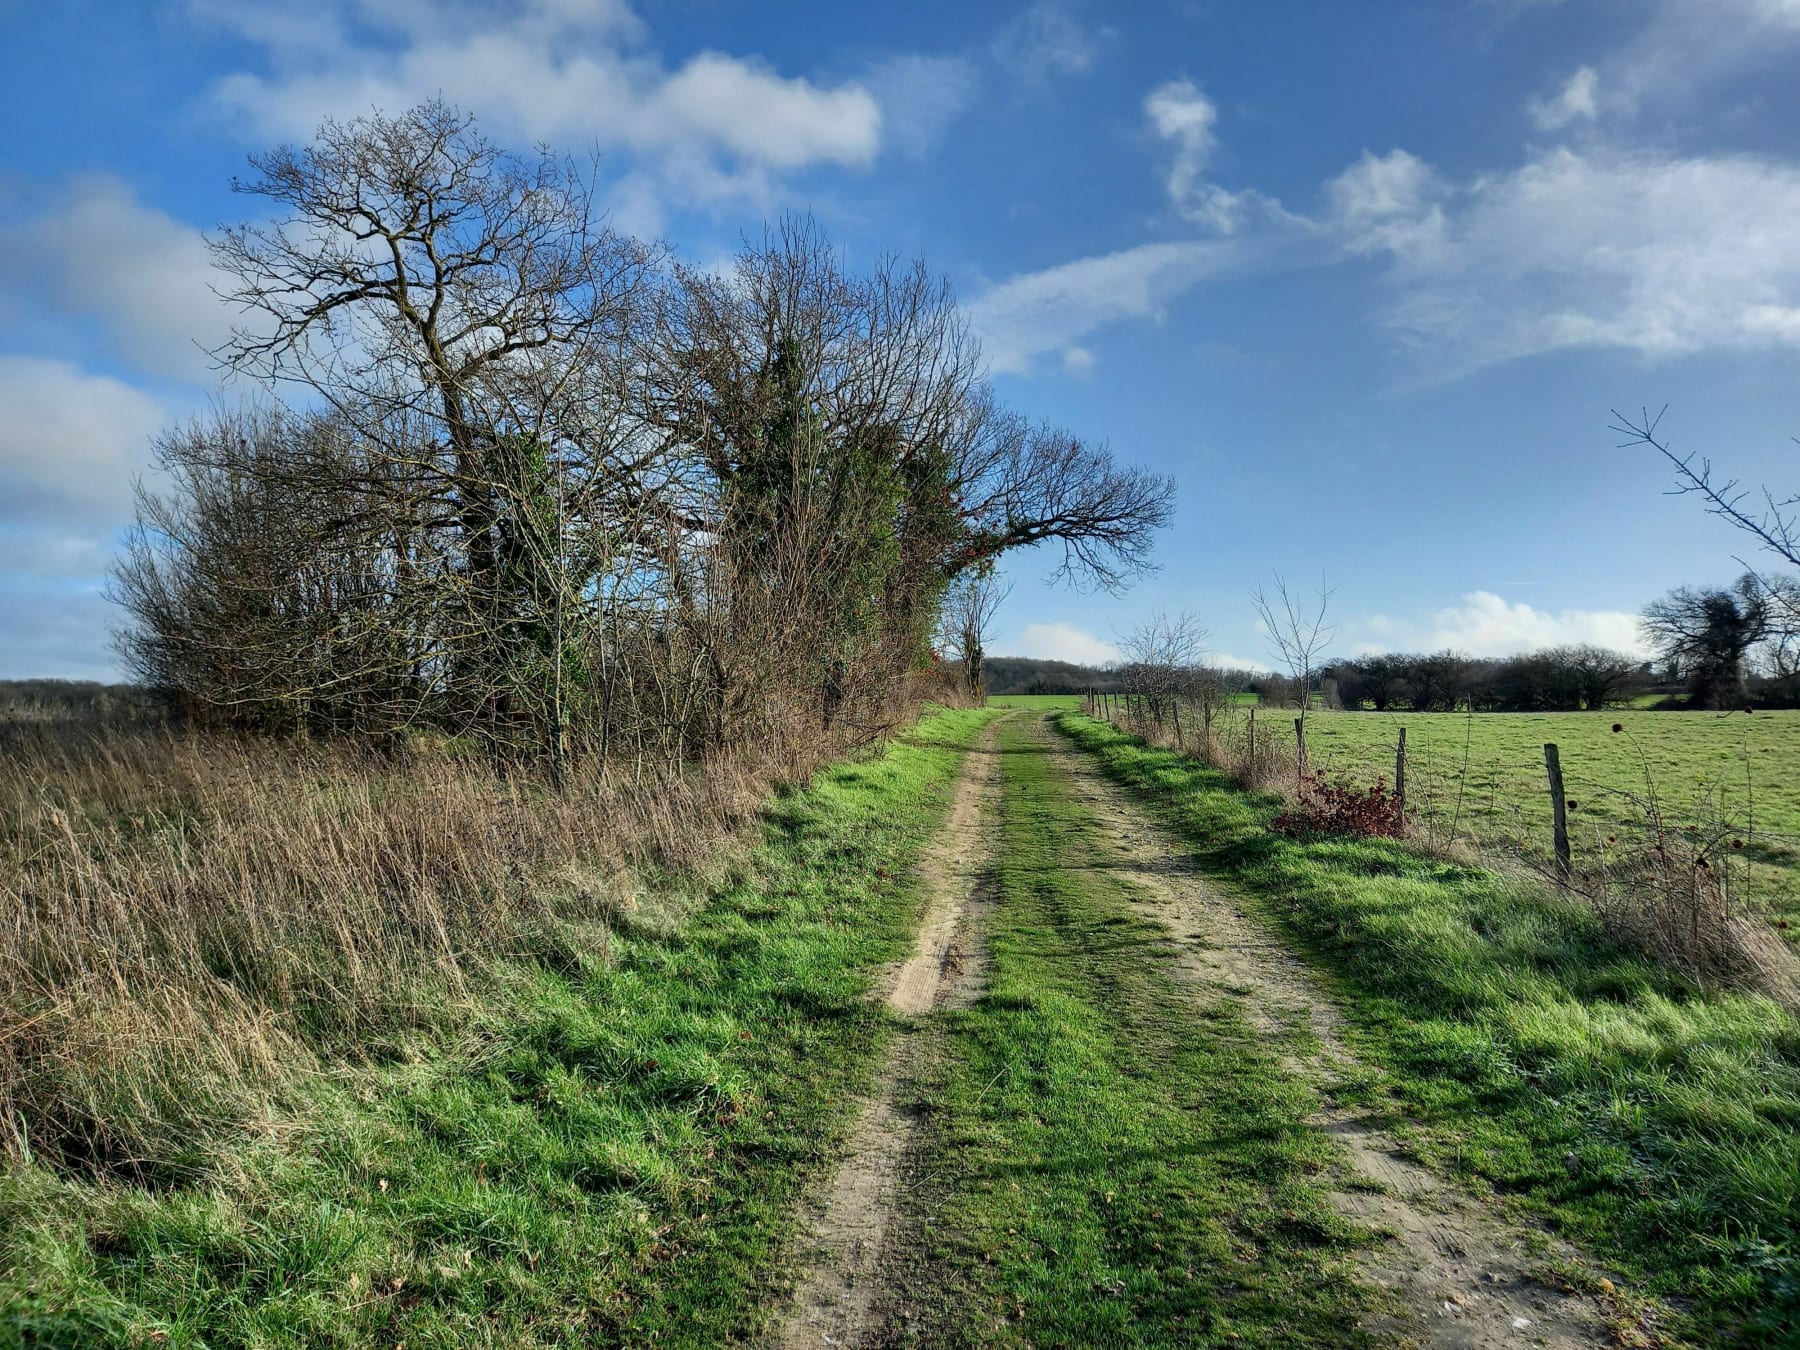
x=1045 y=40
x=1386 y=202
x=1600 y=247
x=70 y=444
x=744 y=108
x=1047 y=311
x=1485 y=624
x=1228 y=661
x=1685 y=45
x=1077 y=361
x=1657 y=255
x=1182 y=115
x=96 y=251
x=1065 y=642
x=1575 y=103
x=713 y=129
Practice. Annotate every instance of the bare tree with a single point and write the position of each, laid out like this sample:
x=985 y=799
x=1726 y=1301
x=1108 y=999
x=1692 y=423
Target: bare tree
x=1297 y=632
x=422 y=277
x=970 y=605
x=1211 y=695
x=1162 y=664
x=1767 y=516
x=839 y=425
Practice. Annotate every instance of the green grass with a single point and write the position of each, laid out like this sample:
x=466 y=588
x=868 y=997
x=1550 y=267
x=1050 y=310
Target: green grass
x=1657 y=1124
x=1035 y=702
x=1114 y=1164
x=1701 y=764
x=614 y=1156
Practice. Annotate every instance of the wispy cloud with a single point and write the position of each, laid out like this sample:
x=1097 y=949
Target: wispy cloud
x=921 y=96
x=1684 y=46
x=1597 y=248
x=1577 y=101
x=1045 y=40
x=94 y=251
x=71 y=443
x=1046 y=311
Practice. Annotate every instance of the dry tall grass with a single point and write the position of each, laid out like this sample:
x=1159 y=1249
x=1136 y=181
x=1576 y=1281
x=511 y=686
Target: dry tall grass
x=189 y=924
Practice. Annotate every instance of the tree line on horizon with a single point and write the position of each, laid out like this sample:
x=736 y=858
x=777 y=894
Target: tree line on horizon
x=1715 y=648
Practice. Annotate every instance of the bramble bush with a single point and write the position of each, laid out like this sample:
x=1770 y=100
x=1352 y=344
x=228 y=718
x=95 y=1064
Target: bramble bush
x=1326 y=807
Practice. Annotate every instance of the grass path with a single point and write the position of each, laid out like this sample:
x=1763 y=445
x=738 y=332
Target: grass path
x=1018 y=1035
x=1465 y=1277
x=846 y=1243
x=1133 y=1137
x=1106 y=1159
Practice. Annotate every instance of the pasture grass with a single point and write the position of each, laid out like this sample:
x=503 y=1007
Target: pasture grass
x=1654 y=1122
x=1701 y=766
x=610 y=1152
x=1112 y=1162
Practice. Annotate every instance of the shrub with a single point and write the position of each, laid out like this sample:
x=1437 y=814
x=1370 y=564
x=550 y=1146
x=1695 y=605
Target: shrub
x=1340 y=807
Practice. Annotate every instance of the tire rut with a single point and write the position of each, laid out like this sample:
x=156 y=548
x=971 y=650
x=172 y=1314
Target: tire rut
x=854 y=1217
x=1465 y=1276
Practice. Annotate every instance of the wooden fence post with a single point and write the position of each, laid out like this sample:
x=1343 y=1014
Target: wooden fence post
x=1559 y=813
x=1400 y=775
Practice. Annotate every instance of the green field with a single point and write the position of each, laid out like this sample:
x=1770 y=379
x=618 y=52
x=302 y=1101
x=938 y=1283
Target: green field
x=1037 y=702
x=1698 y=766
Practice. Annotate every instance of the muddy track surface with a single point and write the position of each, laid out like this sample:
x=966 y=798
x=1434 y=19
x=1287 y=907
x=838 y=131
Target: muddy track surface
x=1465 y=1276
x=853 y=1218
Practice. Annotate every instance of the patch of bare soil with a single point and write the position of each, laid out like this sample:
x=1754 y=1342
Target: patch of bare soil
x=1464 y=1274
x=836 y=1304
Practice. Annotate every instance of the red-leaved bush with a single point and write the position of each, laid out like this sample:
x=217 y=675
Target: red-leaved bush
x=1340 y=808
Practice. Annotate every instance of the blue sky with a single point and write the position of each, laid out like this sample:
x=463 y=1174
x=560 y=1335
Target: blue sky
x=1366 y=278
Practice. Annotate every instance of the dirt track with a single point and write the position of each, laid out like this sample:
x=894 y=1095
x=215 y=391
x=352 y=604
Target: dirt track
x=853 y=1216
x=1465 y=1277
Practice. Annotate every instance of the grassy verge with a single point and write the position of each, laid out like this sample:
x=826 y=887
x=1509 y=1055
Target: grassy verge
x=1111 y=1164
x=612 y=1156
x=1654 y=1122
